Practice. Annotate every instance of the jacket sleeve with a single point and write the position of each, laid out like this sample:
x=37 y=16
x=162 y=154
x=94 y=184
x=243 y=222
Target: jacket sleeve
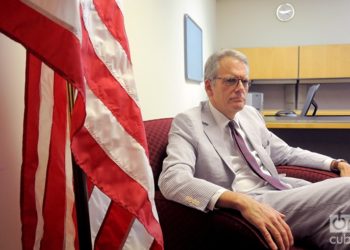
x=177 y=181
x=283 y=154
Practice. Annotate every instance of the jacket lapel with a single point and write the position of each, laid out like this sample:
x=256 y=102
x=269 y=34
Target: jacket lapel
x=212 y=130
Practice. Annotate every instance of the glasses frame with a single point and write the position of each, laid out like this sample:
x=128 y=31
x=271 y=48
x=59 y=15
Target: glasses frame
x=229 y=81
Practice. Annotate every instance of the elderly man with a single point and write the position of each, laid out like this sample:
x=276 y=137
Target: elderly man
x=221 y=155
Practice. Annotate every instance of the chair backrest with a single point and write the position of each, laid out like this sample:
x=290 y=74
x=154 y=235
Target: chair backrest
x=157 y=139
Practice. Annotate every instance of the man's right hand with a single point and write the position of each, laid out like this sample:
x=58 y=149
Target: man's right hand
x=270 y=222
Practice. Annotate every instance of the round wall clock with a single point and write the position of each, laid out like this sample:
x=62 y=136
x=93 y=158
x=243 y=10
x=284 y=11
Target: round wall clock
x=285 y=12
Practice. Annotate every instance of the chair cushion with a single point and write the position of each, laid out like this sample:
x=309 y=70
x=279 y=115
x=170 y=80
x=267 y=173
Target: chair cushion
x=157 y=139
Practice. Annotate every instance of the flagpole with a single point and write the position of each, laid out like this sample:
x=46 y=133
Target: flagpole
x=80 y=192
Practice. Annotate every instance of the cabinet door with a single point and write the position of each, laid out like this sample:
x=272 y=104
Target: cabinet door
x=325 y=61
x=272 y=63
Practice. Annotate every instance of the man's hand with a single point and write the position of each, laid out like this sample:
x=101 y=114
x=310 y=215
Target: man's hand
x=344 y=169
x=269 y=221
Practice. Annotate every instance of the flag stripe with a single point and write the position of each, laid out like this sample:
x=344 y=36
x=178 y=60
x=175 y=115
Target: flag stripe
x=70 y=218
x=44 y=192
x=45 y=121
x=55 y=193
x=113 y=96
x=114 y=229
x=57 y=39
x=30 y=156
x=121 y=187
x=136 y=238
x=108 y=55
x=111 y=15
x=117 y=144
x=99 y=204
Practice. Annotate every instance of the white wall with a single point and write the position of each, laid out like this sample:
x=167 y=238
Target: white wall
x=253 y=23
x=12 y=66
x=155 y=30
x=156 y=38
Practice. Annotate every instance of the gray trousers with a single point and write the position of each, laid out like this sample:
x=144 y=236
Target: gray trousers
x=318 y=213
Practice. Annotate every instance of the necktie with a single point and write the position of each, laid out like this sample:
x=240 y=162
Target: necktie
x=251 y=161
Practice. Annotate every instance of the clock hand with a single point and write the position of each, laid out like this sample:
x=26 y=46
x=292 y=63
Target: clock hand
x=285 y=11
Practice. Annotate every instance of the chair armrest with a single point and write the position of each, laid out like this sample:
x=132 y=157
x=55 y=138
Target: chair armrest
x=309 y=174
x=188 y=228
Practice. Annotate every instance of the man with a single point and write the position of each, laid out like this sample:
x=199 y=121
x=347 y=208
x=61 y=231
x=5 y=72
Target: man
x=207 y=168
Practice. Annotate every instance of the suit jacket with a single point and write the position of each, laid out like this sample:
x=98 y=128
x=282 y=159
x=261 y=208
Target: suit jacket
x=197 y=163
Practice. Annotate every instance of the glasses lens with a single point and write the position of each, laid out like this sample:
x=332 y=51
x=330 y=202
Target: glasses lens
x=235 y=81
x=231 y=81
x=246 y=83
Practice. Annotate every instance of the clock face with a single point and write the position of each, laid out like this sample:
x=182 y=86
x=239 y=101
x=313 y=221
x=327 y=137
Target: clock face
x=285 y=12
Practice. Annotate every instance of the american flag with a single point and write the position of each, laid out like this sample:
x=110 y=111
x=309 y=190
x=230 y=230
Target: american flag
x=84 y=43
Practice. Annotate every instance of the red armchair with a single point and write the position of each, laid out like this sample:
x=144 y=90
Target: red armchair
x=186 y=228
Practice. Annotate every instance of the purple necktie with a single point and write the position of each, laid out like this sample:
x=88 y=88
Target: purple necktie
x=251 y=161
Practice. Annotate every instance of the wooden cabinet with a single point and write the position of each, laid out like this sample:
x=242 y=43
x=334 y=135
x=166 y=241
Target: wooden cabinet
x=272 y=63
x=299 y=62
x=325 y=61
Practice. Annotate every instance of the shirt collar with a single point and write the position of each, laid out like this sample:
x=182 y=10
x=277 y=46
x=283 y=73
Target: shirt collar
x=220 y=118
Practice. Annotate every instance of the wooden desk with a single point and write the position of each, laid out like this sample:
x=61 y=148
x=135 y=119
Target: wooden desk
x=338 y=122
x=335 y=112
x=325 y=135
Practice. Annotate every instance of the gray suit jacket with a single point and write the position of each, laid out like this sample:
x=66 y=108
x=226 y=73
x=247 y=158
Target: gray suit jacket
x=197 y=164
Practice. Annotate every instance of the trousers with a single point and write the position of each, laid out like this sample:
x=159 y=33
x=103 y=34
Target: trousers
x=317 y=213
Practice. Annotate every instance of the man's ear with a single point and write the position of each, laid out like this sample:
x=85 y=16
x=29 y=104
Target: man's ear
x=208 y=88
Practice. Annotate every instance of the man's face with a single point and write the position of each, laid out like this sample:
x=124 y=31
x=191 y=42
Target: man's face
x=225 y=97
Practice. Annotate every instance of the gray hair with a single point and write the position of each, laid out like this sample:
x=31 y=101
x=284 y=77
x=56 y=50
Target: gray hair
x=212 y=64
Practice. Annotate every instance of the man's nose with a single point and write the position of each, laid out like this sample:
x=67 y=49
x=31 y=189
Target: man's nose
x=240 y=85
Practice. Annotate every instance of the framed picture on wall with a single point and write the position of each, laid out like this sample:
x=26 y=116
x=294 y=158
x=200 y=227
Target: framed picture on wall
x=193 y=50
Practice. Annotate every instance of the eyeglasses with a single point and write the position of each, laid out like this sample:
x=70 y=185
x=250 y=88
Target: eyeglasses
x=233 y=81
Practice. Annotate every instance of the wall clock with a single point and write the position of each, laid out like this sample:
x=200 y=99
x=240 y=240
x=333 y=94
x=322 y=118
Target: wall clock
x=285 y=12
